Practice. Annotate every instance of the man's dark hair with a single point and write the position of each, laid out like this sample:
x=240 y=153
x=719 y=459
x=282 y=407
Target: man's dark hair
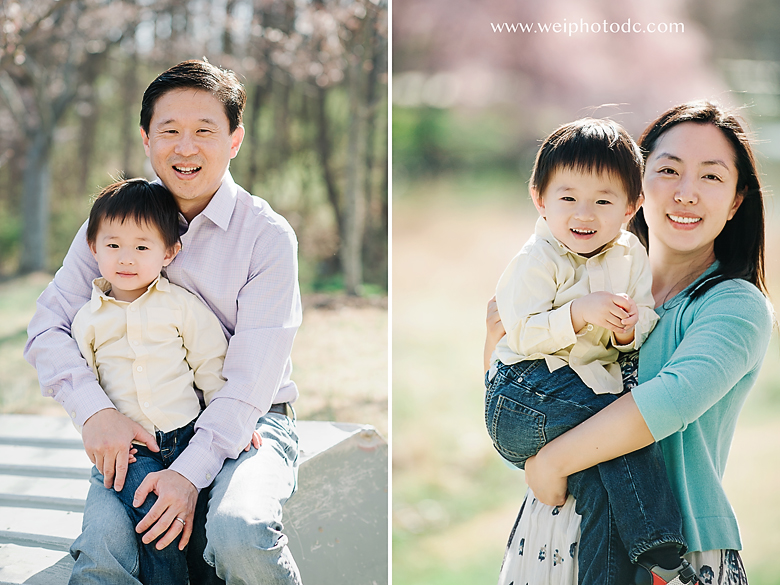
x=590 y=145
x=739 y=247
x=202 y=75
x=137 y=199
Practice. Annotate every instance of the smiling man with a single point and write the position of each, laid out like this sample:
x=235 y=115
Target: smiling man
x=239 y=257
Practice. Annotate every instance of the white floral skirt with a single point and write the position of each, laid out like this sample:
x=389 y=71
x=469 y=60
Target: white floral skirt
x=544 y=542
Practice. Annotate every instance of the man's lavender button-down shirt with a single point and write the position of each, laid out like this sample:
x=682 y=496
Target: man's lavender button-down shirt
x=240 y=258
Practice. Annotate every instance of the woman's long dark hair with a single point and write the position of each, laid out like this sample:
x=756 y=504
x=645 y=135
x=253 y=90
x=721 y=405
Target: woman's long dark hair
x=739 y=247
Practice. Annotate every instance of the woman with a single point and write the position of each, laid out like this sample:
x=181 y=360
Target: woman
x=703 y=224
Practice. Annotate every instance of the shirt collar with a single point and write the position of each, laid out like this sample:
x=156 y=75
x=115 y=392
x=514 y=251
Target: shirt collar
x=220 y=208
x=542 y=230
x=100 y=288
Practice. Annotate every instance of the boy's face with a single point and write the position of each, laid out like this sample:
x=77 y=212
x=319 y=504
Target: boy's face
x=584 y=211
x=130 y=256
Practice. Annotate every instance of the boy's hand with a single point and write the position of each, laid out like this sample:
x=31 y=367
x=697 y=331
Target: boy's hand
x=629 y=306
x=256 y=441
x=495 y=331
x=616 y=313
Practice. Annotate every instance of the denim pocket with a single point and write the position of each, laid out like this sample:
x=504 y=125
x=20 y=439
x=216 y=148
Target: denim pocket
x=517 y=430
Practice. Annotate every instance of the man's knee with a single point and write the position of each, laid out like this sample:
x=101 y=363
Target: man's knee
x=231 y=532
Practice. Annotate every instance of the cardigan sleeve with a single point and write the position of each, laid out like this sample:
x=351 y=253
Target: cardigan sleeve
x=726 y=340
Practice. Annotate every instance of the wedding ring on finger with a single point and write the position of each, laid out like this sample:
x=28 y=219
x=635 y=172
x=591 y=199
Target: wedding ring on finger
x=183 y=523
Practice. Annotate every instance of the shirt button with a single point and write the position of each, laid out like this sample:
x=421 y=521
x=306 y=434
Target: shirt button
x=73 y=414
x=135 y=343
x=208 y=476
x=590 y=327
x=50 y=391
x=133 y=309
x=146 y=405
x=140 y=368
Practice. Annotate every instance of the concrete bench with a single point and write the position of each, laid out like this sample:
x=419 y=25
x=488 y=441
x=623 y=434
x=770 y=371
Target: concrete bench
x=336 y=521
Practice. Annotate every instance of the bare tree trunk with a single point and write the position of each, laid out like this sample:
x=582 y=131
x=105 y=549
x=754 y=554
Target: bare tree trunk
x=354 y=194
x=227 y=34
x=130 y=120
x=323 y=153
x=35 y=203
x=281 y=148
x=254 y=135
x=93 y=66
x=375 y=234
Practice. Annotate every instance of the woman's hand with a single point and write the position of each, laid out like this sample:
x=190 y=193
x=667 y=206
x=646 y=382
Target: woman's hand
x=548 y=486
x=495 y=331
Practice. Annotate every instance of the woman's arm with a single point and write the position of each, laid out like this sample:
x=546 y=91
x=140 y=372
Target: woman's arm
x=725 y=341
x=495 y=331
x=615 y=431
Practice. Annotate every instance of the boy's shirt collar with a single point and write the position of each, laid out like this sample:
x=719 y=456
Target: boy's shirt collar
x=542 y=230
x=101 y=287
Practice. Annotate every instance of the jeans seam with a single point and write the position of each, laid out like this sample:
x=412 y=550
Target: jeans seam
x=541 y=437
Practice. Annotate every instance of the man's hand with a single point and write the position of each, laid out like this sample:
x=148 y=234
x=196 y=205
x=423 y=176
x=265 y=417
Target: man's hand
x=255 y=442
x=548 y=486
x=108 y=437
x=616 y=313
x=176 y=498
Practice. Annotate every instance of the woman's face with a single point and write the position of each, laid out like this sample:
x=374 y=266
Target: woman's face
x=690 y=187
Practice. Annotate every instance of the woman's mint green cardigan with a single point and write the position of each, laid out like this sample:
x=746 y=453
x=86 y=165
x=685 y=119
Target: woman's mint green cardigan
x=695 y=371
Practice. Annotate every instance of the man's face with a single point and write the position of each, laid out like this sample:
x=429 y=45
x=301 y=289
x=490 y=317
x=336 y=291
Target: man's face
x=190 y=146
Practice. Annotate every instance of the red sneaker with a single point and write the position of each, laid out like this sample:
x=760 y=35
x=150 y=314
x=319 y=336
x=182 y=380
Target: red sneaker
x=655 y=575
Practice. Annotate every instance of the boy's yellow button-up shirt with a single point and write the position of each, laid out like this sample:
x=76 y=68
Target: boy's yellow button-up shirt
x=147 y=354
x=534 y=296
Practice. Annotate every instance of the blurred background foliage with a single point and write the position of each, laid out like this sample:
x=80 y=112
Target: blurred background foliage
x=470 y=108
x=72 y=73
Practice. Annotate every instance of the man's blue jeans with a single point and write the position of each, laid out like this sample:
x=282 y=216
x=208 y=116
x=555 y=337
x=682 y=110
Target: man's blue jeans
x=626 y=504
x=237 y=534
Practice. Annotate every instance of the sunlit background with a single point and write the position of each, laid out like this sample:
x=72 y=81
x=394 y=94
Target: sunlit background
x=471 y=103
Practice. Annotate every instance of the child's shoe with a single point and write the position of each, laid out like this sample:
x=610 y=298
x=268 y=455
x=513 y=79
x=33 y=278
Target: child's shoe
x=655 y=575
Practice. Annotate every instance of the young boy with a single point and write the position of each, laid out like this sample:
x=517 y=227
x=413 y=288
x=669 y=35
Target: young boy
x=575 y=296
x=149 y=342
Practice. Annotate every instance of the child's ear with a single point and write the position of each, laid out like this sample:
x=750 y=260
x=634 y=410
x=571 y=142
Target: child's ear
x=631 y=211
x=538 y=201
x=92 y=248
x=171 y=253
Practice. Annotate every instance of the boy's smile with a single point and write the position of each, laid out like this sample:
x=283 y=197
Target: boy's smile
x=130 y=256
x=584 y=211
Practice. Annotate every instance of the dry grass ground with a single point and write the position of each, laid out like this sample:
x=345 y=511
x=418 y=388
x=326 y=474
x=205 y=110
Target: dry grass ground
x=339 y=357
x=453 y=502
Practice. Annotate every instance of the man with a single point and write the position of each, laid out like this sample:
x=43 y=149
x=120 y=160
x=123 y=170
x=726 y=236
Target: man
x=239 y=257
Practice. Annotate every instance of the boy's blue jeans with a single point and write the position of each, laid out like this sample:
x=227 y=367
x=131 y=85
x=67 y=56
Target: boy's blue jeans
x=169 y=565
x=626 y=504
